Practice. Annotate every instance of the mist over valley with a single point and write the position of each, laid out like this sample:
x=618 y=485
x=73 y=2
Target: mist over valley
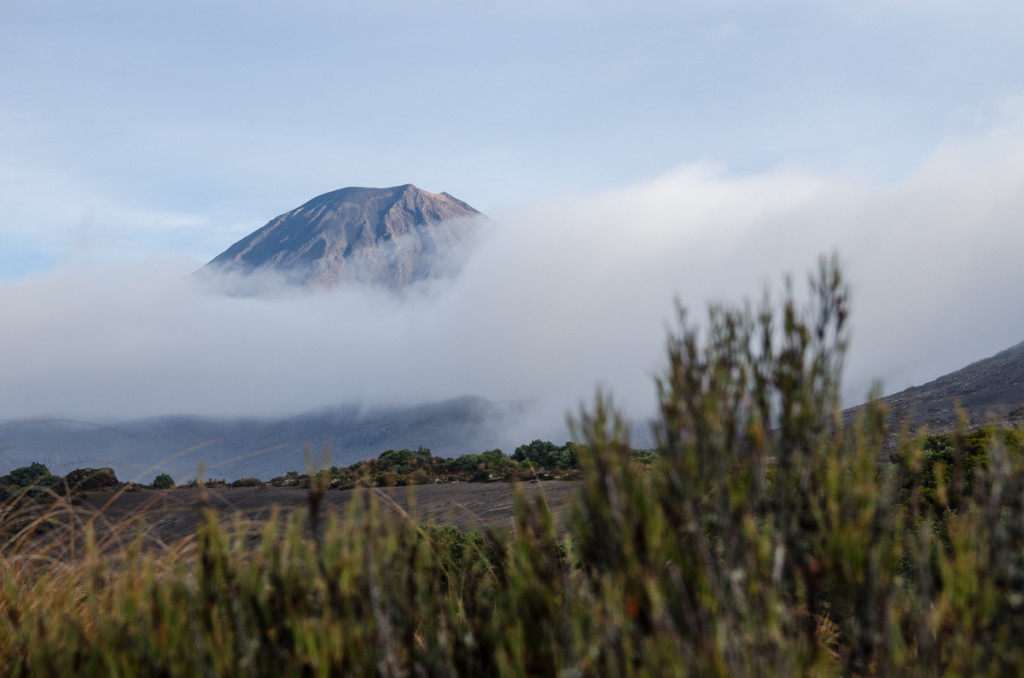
x=366 y=308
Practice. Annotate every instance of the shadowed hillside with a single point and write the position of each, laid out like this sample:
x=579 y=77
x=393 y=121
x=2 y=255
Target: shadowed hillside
x=989 y=390
x=262 y=448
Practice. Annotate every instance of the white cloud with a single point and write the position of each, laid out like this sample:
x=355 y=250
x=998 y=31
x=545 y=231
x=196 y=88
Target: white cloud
x=561 y=295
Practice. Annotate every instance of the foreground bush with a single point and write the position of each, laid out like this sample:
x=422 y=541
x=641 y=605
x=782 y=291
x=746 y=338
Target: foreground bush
x=764 y=538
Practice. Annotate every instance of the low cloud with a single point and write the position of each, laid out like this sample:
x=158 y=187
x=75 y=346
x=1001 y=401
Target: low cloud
x=558 y=298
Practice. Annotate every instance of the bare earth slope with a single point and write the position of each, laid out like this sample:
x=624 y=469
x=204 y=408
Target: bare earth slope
x=173 y=514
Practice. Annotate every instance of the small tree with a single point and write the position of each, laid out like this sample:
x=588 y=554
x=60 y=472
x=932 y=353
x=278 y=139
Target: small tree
x=163 y=482
x=539 y=452
x=495 y=460
x=91 y=479
x=33 y=474
x=35 y=479
x=403 y=461
x=466 y=463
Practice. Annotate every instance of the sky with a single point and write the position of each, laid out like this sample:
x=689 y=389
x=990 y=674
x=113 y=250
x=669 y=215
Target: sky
x=630 y=154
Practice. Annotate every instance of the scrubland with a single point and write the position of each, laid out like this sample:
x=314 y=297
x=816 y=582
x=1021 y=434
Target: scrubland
x=768 y=537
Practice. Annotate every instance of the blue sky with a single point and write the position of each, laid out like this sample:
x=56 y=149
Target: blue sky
x=128 y=120
x=140 y=132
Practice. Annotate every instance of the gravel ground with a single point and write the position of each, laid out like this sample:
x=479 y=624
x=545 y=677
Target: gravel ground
x=172 y=515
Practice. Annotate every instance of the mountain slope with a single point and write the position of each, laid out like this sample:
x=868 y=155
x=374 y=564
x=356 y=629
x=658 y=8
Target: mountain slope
x=385 y=237
x=989 y=390
x=262 y=448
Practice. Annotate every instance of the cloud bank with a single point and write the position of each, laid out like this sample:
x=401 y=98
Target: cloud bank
x=560 y=296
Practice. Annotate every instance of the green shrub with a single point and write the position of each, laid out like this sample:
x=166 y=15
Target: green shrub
x=403 y=461
x=539 y=452
x=545 y=454
x=34 y=480
x=645 y=457
x=32 y=475
x=92 y=479
x=163 y=481
x=247 y=482
x=947 y=466
x=466 y=463
x=496 y=461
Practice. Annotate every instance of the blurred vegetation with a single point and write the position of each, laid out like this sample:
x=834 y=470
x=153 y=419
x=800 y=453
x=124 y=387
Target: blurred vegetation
x=764 y=538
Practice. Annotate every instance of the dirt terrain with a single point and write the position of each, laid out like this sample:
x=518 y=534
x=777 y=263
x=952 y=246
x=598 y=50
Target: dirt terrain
x=167 y=516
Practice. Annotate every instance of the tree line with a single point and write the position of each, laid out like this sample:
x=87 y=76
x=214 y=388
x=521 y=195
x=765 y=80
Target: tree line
x=539 y=459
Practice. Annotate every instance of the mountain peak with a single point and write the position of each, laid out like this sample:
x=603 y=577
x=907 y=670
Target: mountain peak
x=384 y=237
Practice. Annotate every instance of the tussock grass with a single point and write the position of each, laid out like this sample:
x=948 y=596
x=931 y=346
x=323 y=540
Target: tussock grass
x=767 y=538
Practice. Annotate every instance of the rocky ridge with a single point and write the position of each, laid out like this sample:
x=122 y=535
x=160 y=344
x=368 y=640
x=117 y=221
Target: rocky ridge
x=382 y=237
x=988 y=391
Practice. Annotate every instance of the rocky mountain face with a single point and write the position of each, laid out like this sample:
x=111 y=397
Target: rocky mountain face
x=383 y=237
x=989 y=391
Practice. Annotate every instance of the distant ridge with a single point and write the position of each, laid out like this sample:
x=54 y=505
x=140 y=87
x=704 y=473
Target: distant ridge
x=263 y=448
x=383 y=237
x=989 y=391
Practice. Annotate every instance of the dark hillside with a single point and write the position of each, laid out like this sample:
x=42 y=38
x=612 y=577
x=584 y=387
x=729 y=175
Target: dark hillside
x=262 y=448
x=989 y=390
